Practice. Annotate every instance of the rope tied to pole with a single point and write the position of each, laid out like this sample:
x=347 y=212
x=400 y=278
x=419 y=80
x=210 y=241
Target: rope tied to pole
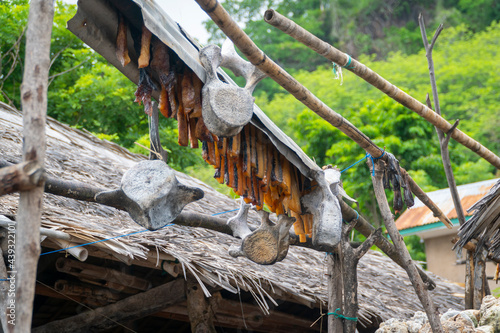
x=337 y=69
x=341 y=316
x=361 y=160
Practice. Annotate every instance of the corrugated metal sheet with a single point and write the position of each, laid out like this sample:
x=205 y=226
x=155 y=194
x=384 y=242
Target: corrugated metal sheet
x=96 y=22
x=420 y=215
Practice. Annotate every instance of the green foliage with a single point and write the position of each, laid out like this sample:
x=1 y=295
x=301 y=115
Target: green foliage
x=416 y=247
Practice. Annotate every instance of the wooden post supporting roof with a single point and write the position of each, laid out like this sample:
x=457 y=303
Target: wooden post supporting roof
x=331 y=53
x=130 y=308
x=34 y=105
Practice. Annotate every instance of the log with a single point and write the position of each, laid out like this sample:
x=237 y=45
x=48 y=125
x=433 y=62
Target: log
x=130 y=308
x=409 y=264
x=199 y=309
x=335 y=287
x=479 y=274
x=284 y=79
x=20 y=177
x=332 y=54
x=350 y=260
x=34 y=106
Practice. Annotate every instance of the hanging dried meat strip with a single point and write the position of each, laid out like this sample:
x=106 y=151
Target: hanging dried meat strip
x=202 y=132
x=245 y=151
x=121 y=42
x=298 y=227
x=144 y=91
x=193 y=140
x=188 y=95
x=182 y=126
x=197 y=85
x=160 y=64
x=261 y=154
x=277 y=170
x=144 y=56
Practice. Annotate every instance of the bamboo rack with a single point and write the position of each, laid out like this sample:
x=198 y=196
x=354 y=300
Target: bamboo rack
x=333 y=54
x=259 y=59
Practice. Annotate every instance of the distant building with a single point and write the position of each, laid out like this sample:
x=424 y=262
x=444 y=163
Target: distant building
x=420 y=221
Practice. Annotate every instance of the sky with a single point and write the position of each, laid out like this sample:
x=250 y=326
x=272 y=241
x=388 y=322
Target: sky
x=185 y=12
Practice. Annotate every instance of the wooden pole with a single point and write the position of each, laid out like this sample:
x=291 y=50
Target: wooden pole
x=443 y=144
x=130 y=308
x=4 y=297
x=350 y=260
x=335 y=287
x=199 y=309
x=331 y=53
x=34 y=106
x=284 y=79
x=409 y=265
x=479 y=273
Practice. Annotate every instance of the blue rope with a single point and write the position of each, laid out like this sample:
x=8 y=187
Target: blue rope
x=4 y=279
x=99 y=241
x=350 y=166
x=373 y=161
x=339 y=315
x=227 y=211
x=348 y=65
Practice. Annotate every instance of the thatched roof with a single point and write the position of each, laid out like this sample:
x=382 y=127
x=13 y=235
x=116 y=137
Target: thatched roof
x=484 y=225
x=384 y=289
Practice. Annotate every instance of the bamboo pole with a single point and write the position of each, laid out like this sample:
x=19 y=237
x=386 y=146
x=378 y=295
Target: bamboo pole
x=284 y=79
x=34 y=105
x=331 y=53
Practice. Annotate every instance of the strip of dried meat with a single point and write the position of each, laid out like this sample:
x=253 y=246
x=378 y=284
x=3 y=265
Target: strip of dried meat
x=121 y=42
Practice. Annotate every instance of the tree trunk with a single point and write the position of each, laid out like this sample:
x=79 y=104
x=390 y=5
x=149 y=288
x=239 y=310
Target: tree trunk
x=34 y=106
x=200 y=312
x=334 y=292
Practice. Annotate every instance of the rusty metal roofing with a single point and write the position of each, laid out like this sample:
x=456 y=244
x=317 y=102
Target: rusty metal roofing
x=420 y=215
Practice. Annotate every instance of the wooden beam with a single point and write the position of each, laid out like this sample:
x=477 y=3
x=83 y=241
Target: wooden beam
x=130 y=308
x=24 y=176
x=34 y=106
x=246 y=317
x=199 y=308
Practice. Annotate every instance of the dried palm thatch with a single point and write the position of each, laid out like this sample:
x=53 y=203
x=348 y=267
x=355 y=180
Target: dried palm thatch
x=484 y=225
x=300 y=278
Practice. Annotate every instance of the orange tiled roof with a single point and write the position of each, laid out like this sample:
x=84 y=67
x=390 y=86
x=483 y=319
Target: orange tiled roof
x=420 y=215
